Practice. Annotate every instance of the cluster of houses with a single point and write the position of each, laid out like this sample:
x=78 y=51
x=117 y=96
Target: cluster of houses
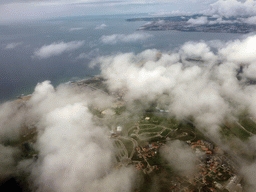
x=148 y=151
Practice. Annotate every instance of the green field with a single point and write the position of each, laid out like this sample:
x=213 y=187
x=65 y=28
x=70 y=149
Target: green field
x=166 y=132
x=128 y=145
x=239 y=132
x=249 y=125
x=150 y=130
x=131 y=131
x=147 y=135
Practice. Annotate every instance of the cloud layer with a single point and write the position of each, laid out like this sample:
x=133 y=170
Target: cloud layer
x=75 y=152
x=197 y=86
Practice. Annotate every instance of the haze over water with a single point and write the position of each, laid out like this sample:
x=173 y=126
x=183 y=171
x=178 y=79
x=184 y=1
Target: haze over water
x=21 y=70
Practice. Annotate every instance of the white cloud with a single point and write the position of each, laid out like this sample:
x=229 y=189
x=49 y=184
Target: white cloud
x=74 y=152
x=12 y=45
x=7 y=162
x=250 y=20
x=92 y=54
x=241 y=51
x=219 y=20
x=74 y=149
x=53 y=49
x=102 y=26
x=250 y=71
x=192 y=50
x=198 y=21
x=181 y=157
x=115 y=38
x=17 y=113
x=231 y=8
x=201 y=88
x=75 y=29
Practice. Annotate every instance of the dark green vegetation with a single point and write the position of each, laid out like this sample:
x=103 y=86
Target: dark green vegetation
x=239 y=132
x=248 y=124
x=243 y=129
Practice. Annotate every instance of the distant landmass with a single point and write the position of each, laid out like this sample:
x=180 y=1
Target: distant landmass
x=196 y=23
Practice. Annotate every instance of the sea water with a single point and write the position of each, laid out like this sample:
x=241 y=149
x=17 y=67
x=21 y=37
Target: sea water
x=20 y=70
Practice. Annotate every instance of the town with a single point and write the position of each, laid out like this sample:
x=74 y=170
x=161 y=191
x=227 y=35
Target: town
x=181 y=23
x=139 y=143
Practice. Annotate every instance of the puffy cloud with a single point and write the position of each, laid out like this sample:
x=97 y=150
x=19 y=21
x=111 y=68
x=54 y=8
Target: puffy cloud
x=199 y=51
x=229 y=8
x=115 y=38
x=12 y=117
x=53 y=49
x=181 y=157
x=74 y=153
x=82 y=156
x=73 y=159
x=151 y=79
x=250 y=71
x=8 y=160
x=240 y=51
x=198 y=21
x=200 y=84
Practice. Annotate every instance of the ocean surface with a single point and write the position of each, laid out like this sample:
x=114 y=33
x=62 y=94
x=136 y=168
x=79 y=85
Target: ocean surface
x=20 y=71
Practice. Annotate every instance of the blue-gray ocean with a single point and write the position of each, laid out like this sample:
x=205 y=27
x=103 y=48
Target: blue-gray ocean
x=20 y=71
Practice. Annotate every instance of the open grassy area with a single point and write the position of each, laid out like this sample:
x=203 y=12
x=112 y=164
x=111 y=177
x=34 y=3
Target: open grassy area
x=120 y=110
x=20 y=140
x=161 y=119
x=167 y=132
x=226 y=133
x=147 y=135
x=249 y=125
x=128 y=145
x=11 y=142
x=118 y=145
x=150 y=130
x=132 y=130
x=239 y=132
x=95 y=111
x=147 y=126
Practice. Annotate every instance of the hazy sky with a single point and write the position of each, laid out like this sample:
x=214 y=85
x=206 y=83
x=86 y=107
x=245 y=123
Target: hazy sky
x=33 y=9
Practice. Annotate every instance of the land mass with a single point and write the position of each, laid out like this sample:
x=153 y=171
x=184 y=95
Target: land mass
x=196 y=23
x=139 y=143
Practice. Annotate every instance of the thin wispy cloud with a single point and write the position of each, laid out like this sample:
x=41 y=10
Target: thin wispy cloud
x=54 y=49
x=12 y=45
x=32 y=9
x=115 y=38
x=90 y=55
x=102 y=26
x=75 y=29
